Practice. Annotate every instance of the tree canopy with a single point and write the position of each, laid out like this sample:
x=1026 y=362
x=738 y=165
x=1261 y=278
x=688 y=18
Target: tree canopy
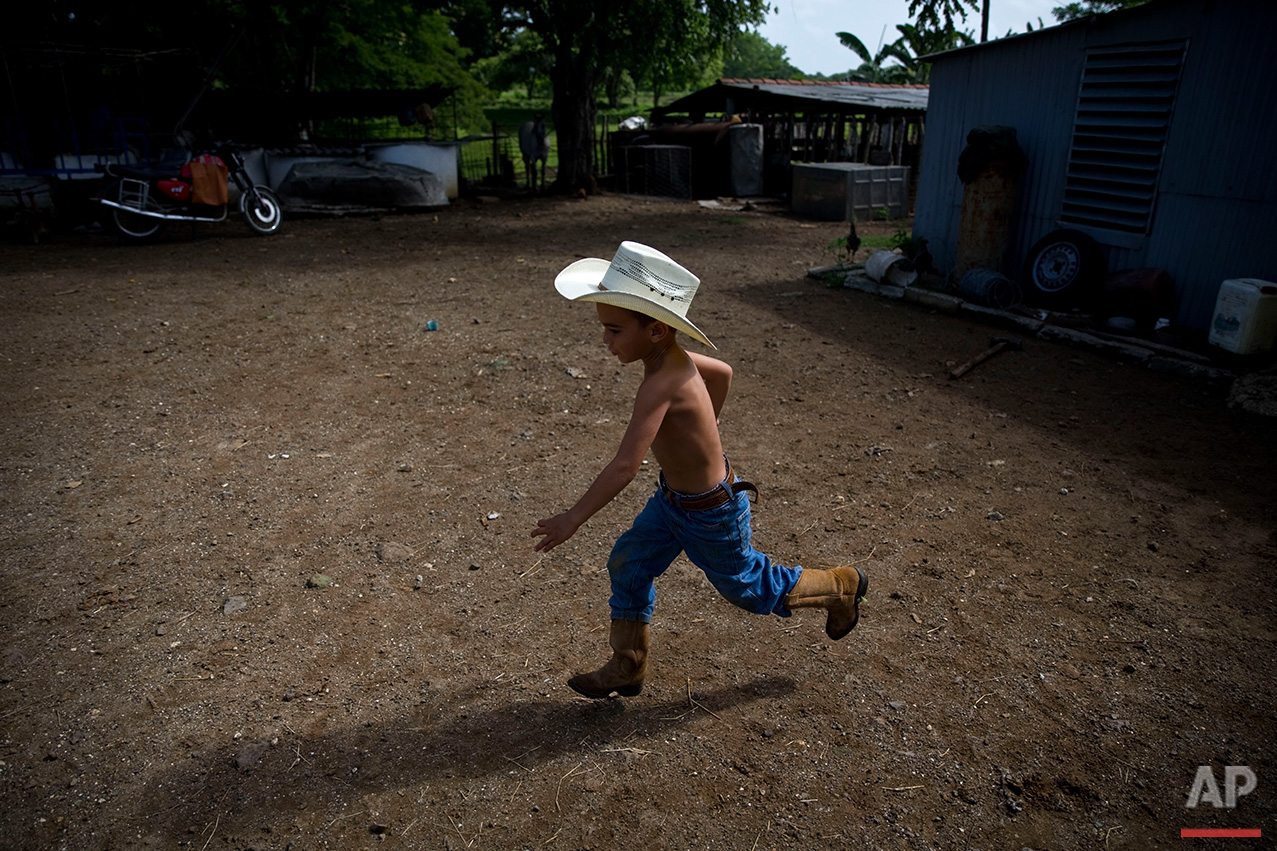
x=282 y=49
x=914 y=42
x=939 y=15
x=1086 y=8
x=665 y=40
x=871 y=68
x=749 y=55
x=524 y=64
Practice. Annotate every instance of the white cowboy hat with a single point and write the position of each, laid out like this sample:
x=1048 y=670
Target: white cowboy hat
x=639 y=278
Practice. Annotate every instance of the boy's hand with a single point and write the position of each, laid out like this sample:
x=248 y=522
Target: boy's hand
x=554 y=531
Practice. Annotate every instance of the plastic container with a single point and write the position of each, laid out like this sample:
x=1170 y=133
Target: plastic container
x=746 y=162
x=844 y=192
x=888 y=267
x=1245 y=319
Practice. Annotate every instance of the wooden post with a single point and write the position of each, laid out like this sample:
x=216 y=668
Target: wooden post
x=496 y=149
x=605 y=155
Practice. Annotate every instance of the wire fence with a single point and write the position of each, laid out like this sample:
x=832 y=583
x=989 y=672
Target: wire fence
x=496 y=160
x=493 y=160
x=664 y=170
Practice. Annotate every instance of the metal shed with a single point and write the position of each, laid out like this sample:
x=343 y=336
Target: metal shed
x=1189 y=81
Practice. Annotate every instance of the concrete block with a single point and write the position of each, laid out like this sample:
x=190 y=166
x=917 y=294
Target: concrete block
x=1090 y=341
x=1188 y=369
x=1005 y=318
x=942 y=302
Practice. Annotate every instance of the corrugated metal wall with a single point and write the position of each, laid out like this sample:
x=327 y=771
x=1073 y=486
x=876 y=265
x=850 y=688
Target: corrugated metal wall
x=1216 y=212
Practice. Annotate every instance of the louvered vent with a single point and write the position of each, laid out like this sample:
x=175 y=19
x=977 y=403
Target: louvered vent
x=1123 y=114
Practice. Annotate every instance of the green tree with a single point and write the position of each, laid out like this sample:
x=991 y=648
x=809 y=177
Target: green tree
x=749 y=55
x=939 y=15
x=872 y=68
x=325 y=45
x=479 y=25
x=523 y=64
x=616 y=84
x=369 y=44
x=915 y=43
x=684 y=54
x=1086 y=8
x=586 y=38
x=286 y=48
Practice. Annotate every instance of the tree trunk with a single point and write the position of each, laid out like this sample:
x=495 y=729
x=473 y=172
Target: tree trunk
x=612 y=88
x=573 y=110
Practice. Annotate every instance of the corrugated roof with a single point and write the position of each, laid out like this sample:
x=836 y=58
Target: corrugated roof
x=799 y=93
x=1084 y=21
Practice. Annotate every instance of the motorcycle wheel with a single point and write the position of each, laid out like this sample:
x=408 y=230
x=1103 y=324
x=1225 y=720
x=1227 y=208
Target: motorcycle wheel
x=131 y=226
x=261 y=210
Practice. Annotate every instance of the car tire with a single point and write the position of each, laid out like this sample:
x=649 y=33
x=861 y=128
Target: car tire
x=1062 y=269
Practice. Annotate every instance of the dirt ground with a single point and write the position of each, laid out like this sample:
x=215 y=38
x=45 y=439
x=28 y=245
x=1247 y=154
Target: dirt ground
x=1071 y=605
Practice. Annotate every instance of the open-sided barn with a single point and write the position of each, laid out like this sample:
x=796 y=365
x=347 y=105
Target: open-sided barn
x=810 y=121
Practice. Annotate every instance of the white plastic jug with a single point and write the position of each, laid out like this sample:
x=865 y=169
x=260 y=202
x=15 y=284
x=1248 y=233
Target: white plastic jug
x=1245 y=319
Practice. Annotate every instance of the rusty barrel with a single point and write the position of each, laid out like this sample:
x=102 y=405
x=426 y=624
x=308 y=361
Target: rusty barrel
x=988 y=218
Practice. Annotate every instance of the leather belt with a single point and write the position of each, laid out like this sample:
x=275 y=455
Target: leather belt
x=722 y=494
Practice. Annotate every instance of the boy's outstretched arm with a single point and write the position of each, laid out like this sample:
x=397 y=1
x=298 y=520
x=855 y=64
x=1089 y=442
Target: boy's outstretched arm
x=649 y=410
x=717 y=377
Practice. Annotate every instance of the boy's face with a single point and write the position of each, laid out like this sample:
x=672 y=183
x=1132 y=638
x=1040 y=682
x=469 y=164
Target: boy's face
x=624 y=334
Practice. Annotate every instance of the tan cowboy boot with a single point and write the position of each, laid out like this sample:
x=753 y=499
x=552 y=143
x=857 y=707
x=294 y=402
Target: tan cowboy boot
x=625 y=671
x=839 y=590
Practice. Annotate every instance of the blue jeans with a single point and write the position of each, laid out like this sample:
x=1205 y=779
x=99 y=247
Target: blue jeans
x=716 y=540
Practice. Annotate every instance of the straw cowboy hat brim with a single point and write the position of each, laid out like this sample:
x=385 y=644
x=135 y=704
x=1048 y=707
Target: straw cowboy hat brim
x=581 y=282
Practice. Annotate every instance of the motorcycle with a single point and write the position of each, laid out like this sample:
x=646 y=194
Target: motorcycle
x=137 y=201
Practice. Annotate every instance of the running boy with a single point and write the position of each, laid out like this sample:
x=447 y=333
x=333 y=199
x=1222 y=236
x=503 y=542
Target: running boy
x=700 y=507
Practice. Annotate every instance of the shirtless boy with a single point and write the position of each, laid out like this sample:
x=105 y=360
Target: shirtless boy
x=700 y=507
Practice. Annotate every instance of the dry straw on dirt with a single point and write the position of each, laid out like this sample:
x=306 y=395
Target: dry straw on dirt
x=1071 y=609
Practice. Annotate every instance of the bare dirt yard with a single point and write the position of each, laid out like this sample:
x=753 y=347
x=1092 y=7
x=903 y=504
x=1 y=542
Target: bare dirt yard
x=268 y=580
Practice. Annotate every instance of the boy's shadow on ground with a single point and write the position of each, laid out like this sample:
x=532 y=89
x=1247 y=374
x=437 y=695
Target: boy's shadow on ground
x=255 y=784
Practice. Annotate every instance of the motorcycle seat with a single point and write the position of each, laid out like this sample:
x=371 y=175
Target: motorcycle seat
x=143 y=173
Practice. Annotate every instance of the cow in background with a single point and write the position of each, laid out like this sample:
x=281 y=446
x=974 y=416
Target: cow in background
x=534 y=142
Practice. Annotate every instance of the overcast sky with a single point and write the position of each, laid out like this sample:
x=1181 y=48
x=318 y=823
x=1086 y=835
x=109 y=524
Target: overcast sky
x=806 y=27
